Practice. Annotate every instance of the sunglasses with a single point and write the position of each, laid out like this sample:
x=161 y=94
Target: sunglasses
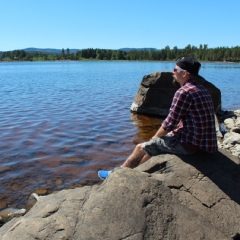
x=178 y=69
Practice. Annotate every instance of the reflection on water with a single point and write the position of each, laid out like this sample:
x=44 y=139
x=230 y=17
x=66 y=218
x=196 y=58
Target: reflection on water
x=146 y=126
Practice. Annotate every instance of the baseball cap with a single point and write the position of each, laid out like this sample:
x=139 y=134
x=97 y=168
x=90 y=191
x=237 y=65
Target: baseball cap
x=189 y=64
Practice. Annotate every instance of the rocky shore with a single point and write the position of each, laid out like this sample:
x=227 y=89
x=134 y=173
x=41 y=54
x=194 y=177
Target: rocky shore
x=230 y=138
x=168 y=197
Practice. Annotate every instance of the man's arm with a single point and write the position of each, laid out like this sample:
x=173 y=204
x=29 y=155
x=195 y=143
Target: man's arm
x=160 y=133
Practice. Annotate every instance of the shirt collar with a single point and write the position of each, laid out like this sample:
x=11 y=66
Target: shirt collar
x=189 y=81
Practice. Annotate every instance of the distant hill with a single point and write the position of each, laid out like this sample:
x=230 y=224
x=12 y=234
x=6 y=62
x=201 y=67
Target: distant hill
x=138 y=49
x=49 y=50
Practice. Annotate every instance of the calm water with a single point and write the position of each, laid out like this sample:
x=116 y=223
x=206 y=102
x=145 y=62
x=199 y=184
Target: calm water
x=63 y=121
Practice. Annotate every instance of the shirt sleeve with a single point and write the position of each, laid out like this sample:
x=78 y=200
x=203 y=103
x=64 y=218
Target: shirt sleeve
x=180 y=105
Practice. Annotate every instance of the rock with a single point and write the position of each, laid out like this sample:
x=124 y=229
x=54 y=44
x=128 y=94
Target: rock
x=156 y=92
x=168 y=197
x=218 y=174
x=222 y=115
x=231 y=138
x=234 y=152
x=32 y=200
x=41 y=191
x=237 y=112
x=10 y=213
x=236 y=129
x=237 y=148
x=229 y=123
x=237 y=123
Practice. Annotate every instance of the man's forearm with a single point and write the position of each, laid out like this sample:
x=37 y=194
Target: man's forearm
x=160 y=133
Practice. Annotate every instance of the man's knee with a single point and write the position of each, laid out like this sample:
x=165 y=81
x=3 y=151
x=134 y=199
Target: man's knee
x=139 y=147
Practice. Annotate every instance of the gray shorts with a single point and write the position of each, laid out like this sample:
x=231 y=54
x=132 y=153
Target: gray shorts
x=163 y=145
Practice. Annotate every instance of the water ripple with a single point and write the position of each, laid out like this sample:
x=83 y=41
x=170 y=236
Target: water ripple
x=61 y=122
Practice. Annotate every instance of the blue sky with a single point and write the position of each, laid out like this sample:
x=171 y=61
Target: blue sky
x=114 y=24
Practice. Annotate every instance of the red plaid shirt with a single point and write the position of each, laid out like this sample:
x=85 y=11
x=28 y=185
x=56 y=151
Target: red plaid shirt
x=191 y=117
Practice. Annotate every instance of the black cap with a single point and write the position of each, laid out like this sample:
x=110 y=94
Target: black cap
x=189 y=64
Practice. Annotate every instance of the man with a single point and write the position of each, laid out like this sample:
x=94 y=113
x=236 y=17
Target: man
x=190 y=124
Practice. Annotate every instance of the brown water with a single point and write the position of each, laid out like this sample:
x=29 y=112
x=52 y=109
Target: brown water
x=62 y=122
x=45 y=173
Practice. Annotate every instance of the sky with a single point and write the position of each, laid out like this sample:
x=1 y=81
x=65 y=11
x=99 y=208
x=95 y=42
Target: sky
x=114 y=24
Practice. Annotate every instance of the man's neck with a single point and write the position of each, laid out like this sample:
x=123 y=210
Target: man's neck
x=185 y=80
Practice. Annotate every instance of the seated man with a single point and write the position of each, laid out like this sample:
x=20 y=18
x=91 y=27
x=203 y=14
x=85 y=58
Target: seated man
x=190 y=124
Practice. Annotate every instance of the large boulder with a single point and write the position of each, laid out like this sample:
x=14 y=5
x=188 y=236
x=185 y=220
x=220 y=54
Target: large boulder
x=168 y=197
x=156 y=92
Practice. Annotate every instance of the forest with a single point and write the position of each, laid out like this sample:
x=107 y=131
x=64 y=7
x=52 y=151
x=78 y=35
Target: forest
x=202 y=53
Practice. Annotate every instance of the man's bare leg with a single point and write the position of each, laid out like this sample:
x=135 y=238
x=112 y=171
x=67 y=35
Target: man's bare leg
x=138 y=157
x=145 y=158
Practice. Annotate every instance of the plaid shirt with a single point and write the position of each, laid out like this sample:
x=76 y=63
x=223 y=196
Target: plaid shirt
x=191 y=117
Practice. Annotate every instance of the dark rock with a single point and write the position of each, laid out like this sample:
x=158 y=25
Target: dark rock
x=156 y=92
x=9 y=213
x=222 y=115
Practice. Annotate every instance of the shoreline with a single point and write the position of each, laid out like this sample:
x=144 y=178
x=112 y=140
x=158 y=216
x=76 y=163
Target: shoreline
x=228 y=135
x=167 y=185
x=96 y=60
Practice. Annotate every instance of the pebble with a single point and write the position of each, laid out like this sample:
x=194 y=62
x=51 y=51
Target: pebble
x=8 y=213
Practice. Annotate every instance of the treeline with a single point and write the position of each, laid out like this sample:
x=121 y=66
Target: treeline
x=202 y=53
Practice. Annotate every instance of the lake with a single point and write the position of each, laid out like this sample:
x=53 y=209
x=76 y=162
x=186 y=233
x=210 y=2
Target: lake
x=63 y=121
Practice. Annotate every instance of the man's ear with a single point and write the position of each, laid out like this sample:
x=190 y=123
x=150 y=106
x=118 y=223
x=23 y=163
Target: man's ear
x=185 y=73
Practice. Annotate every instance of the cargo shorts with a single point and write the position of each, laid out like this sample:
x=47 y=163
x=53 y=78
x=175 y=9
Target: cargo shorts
x=161 y=145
